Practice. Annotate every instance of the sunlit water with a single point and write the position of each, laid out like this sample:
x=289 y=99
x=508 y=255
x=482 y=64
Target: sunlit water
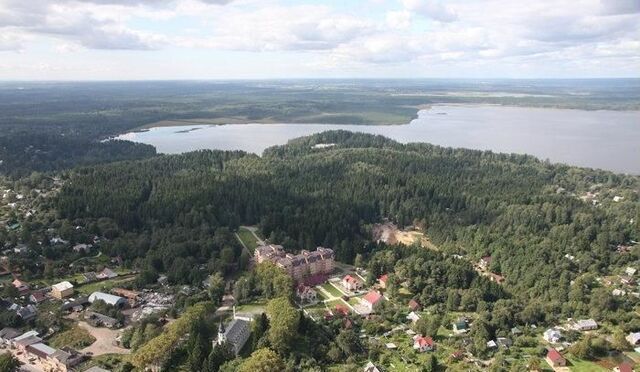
x=599 y=139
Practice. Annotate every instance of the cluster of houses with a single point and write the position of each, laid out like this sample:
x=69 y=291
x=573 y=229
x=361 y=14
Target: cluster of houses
x=31 y=345
x=305 y=266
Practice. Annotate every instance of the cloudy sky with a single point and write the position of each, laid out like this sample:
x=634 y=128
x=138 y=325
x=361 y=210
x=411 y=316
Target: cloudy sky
x=211 y=39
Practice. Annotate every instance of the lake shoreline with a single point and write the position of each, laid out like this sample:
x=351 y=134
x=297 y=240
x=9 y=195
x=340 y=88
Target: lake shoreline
x=601 y=139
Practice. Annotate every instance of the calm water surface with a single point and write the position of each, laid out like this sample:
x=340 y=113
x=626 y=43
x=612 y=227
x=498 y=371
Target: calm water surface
x=598 y=139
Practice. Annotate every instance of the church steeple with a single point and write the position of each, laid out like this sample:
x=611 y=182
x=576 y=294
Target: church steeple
x=221 y=337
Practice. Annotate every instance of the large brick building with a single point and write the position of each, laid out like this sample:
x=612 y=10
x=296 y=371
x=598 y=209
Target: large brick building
x=300 y=266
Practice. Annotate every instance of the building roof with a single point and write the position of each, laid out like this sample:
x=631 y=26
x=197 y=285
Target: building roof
x=370 y=367
x=109 y=299
x=8 y=333
x=625 y=367
x=414 y=305
x=235 y=328
x=19 y=283
x=633 y=338
x=350 y=279
x=383 y=278
x=38 y=296
x=62 y=286
x=554 y=355
x=587 y=323
x=372 y=297
x=26 y=335
x=96 y=369
x=42 y=348
x=424 y=341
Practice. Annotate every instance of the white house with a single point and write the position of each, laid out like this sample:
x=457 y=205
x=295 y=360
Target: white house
x=634 y=338
x=585 y=325
x=413 y=317
x=372 y=300
x=552 y=335
x=351 y=283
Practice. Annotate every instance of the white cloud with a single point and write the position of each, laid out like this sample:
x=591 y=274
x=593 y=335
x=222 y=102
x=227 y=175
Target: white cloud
x=457 y=35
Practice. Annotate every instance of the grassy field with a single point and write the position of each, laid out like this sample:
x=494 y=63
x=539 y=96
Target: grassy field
x=579 y=365
x=248 y=239
x=332 y=304
x=76 y=337
x=103 y=286
x=331 y=289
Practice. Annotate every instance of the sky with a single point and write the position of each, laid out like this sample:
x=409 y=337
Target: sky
x=266 y=39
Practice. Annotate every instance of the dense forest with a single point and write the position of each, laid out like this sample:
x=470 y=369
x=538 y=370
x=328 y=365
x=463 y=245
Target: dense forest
x=525 y=213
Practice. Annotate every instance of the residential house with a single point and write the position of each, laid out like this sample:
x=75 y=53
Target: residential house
x=503 y=342
x=552 y=335
x=623 y=367
x=101 y=320
x=7 y=334
x=109 y=299
x=82 y=247
x=76 y=305
x=382 y=281
x=370 y=367
x=37 y=297
x=235 y=334
x=413 y=317
x=516 y=331
x=415 y=305
x=306 y=294
x=89 y=277
x=585 y=325
x=64 y=360
x=351 y=283
x=633 y=338
x=485 y=262
x=460 y=326
x=22 y=287
x=492 y=344
x=422 y=344
x=372 y=300
x=96 y=369
x=555 y=359
x=341 y=310
x=627 y=280
x=107 y=273
x=27 y=312
x=62 y=290
x=630 y=271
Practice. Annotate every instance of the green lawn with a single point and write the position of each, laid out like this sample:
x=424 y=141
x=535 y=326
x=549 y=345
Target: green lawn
x=332 y=304
x=248 y=239
x=331 y=289
x=102 y=286
x=580 y=365
x=76 y=337
x=354 y=301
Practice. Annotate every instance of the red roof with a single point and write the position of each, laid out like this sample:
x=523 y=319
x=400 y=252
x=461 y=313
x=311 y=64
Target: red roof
x=554 y=355
x=384 y=278
x=350 y=279
x=424 y=341
x=372 y=297
x=414 y=305
x=341 y=309
x=625 y=367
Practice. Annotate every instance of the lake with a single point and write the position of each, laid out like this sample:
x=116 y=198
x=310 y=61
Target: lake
x=598 y=139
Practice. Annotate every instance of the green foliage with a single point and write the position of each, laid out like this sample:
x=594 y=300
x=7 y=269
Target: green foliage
x=283 y=324
x=8 y=363
x=156 y=351
x=76 y=337
x=262 y=360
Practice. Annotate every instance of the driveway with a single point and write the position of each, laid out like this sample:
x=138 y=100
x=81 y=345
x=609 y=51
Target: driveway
x=105 y=341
